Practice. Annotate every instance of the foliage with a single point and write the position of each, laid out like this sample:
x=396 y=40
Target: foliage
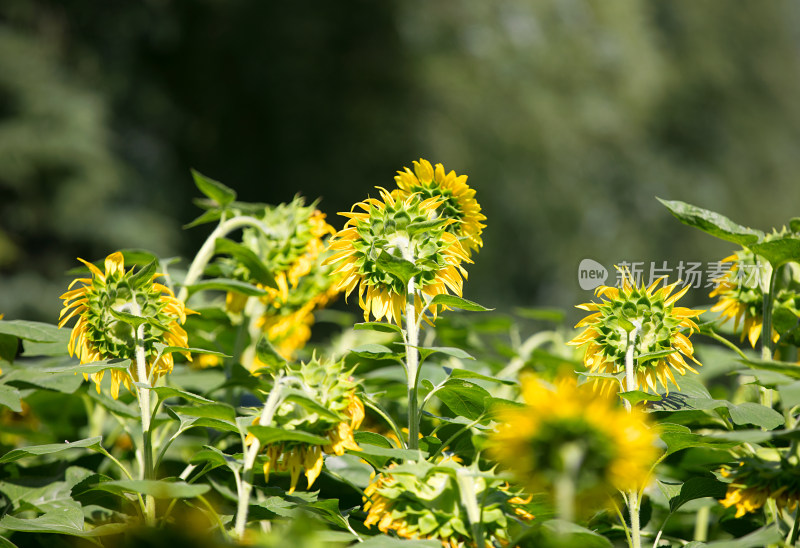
x=425 y=427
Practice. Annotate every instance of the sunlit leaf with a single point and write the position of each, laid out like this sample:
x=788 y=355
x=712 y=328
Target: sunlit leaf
x=715 y=224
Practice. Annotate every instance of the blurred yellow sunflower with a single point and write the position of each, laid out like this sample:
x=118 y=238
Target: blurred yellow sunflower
x=457 y=199
x=392 y=241
x=616 y=448
x=649 y=317
x=101 y=332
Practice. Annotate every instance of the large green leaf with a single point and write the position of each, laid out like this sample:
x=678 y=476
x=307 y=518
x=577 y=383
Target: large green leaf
x=678 y=437
x=715 y=224
x=52 y=448
x=383 y=541
x=165 y=392
x=34 y=331
x=464 y=398
x=697 y=488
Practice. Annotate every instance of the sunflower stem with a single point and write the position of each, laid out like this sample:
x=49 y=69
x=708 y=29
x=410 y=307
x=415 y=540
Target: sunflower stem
x=633 y=509
x=143 y=393
x=245 y=485
x=630 y=385
x=412 y=365
x=207 y=249
x=571 y=458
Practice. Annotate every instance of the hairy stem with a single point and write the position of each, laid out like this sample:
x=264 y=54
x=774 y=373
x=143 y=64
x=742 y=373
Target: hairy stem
x=245 y=485
x=207 y=249
x=412 y=366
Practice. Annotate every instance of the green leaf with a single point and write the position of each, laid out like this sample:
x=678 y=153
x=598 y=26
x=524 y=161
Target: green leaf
x=389 y=452
x=794 y=224
x=678 y=437
x=778 y=252
x=89 y=368
x=209 y=216
x=757 y=414
x=636 y=396
x=467 y=374
x=214 y=190
x=397 y=266
x=10 y=397
x=757 y=539
x=130 y=319
x=165 y=392
x=159 y=489
x=267 y=354
x=248 y=258
x=790 y=394
x=697 y=488
x=715 y=224
x=224 y=284
x=464 y=398
x=295 y=396
x=67 y=520
x=457 y=302
x=144 y=275
x=425 y=351
x=556 y=532
x=269 y=435
x=375 y=351
x=328 y=510
x=49 y=449
x=786 y=368
x=378 y=326
x=9 y=348
x=34 y=331
x=219 y=411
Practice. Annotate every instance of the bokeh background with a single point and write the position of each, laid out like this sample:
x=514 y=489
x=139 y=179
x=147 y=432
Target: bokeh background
x=569 y=117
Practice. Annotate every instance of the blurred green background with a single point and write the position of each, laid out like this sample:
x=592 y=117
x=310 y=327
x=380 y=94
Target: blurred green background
x=569 y=117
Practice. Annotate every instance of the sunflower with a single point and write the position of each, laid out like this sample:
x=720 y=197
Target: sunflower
x=330 y=386
x=392 y=241
x=292 y=244
x=616 y=448
x=754 y=481
x=648 y=316
x=102 y=304
x=740 y=297
x=457 y=200
x=423 y=500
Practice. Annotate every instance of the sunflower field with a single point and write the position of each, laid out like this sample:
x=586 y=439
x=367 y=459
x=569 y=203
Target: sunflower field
x=219 y=400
